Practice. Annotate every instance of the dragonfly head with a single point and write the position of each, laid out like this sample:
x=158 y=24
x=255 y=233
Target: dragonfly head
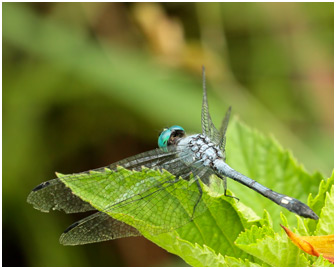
x=170 y=136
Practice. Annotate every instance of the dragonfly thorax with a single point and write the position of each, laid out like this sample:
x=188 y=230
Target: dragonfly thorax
x=199 y=149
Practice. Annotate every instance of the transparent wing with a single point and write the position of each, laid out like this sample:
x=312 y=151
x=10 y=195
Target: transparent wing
x=208 y=127
x=96 y=228
x=149 y=199
x=223 y=129
x=53 y=194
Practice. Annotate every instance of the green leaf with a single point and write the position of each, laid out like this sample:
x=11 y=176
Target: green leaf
x=277 y=250
x=217 y=227
x=203 y=256
x=323 y=205
x=271 y=248
x=150 y=200
x=321 y=262
x=325 y=225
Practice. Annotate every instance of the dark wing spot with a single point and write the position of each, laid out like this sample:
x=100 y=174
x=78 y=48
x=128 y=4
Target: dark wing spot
x=41 y=186
x=71 y=227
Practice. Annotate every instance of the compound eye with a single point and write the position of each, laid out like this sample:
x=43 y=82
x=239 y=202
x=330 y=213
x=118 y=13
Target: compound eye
x=163 y=139
x=177 y=128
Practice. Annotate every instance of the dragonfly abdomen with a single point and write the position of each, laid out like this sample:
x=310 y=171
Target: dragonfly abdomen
x=291 y=204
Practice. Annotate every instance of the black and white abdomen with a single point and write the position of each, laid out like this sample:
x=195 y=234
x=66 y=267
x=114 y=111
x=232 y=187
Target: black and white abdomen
x=199 y=150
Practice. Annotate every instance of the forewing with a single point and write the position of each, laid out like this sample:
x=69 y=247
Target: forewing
x=54 y=194
x=208 y=127
x=146 y=197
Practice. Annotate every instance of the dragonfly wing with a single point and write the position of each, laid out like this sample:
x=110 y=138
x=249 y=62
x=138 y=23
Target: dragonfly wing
x=133 y=195
x=208 y=127
x=53 y=194
x=153 y=159
x=160 y=204
x=223 y=129
x=96 y=228
x=152 y=200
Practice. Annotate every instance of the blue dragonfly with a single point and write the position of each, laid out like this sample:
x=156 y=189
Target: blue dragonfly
x=157 y=195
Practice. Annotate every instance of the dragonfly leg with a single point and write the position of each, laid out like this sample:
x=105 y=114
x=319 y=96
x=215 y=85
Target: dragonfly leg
x=225 y=188
x=199 y=198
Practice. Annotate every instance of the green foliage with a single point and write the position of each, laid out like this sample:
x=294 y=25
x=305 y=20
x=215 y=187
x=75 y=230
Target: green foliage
x=320 y=262
x=271 y=248
x=228 y=233
x=326 y=224
x=318 y=205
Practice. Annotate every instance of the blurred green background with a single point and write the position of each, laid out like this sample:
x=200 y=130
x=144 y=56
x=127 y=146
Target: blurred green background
x=87 y=84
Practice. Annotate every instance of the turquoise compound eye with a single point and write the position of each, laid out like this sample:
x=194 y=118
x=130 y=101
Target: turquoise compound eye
x=176 y=128
x=163 y=139
x=165 y=135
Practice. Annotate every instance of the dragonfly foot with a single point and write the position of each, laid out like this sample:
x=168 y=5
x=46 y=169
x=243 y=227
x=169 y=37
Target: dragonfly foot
x=226 y=195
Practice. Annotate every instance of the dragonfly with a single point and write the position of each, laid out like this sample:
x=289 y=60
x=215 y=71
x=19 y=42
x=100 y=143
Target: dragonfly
x=150 y=185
